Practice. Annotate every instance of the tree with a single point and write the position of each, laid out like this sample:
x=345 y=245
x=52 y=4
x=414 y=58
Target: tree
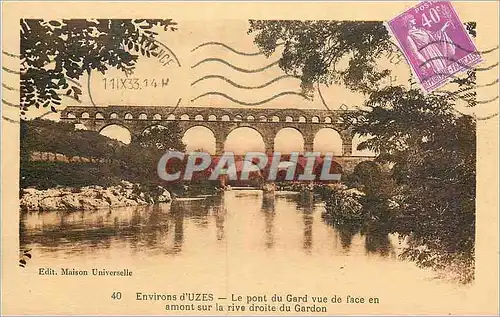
x=316 y=50
x=55 y=54
x=431 y=147
x=162 y=137
x=366 y=174
x=433 y=151
x=339 y=52
x=38 y=135
x=110 y=160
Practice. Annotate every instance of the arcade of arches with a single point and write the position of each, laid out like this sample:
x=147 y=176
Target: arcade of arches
x=245 y=139
x=215 y=130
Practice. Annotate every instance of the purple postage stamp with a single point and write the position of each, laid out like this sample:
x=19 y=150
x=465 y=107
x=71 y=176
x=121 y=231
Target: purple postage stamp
x=435 y=42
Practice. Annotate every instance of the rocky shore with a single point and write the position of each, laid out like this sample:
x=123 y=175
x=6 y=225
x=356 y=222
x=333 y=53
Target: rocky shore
x=91 y=197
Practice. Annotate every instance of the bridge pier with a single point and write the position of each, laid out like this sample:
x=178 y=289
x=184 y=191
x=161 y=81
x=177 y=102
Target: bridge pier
x=346 y=148
x=269 y=143
x=309 y=140
x=219 y=145
x=308 y=147
x=346 y=136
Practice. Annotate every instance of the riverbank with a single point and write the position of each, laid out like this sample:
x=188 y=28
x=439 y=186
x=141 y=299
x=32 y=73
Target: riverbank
x=91 y=197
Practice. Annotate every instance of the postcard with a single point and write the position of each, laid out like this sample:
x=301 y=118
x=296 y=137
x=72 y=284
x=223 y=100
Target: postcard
x=249 y=158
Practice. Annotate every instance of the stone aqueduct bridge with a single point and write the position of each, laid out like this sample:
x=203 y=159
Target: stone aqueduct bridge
x=221 y=121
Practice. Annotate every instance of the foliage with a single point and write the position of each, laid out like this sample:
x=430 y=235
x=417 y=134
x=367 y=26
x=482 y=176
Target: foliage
x=38 y=135
x=373 y=179
x=342 y=52
x=343 y=207
x=99 y=160
x=433 y=153
x=56 y=53
x=44 y=175
x=110 y=160
x=163 y=137
x=198 y=187
x=400 y=118
x=376 y=182
x=429 y=194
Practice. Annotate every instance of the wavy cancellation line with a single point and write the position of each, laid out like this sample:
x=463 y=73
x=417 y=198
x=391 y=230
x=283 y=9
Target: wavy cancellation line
x=456 y=45
x=227 y=47
x=230 y=48
x=243 y=103
x=10 y=54
x=16 y=121
x=9 y=119
x=243 y=70
x=234 y=84
x=487 y=117
x=15 y=72
x=483 y=102
x=8 y=70
x=10 y=104
x=9 y=88
x=476 y=117
x=458 y=63
x=470 y=100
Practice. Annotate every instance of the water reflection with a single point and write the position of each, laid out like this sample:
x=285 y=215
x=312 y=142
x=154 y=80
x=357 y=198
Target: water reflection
x=284 y=222
x=346 y=233
x=306 y=205
x=378 y=242
x=376 y=236
x=268 y=201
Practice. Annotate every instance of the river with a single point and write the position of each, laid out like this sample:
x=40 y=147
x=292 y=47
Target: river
x=241 y=241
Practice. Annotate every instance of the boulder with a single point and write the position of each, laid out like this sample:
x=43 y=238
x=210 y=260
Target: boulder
x=71 y=202
x=89 y=203
x=30 y=191
x=165 y=197
x=90 y=197
x=49 y=203
x=127 y=185
x=112 y=199
x=30 y=202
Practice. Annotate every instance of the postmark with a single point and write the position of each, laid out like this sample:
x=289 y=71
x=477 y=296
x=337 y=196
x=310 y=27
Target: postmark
x=131 y=86
x=434 y=42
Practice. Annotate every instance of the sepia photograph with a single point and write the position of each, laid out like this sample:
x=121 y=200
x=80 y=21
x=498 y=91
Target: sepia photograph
x=203 y=164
